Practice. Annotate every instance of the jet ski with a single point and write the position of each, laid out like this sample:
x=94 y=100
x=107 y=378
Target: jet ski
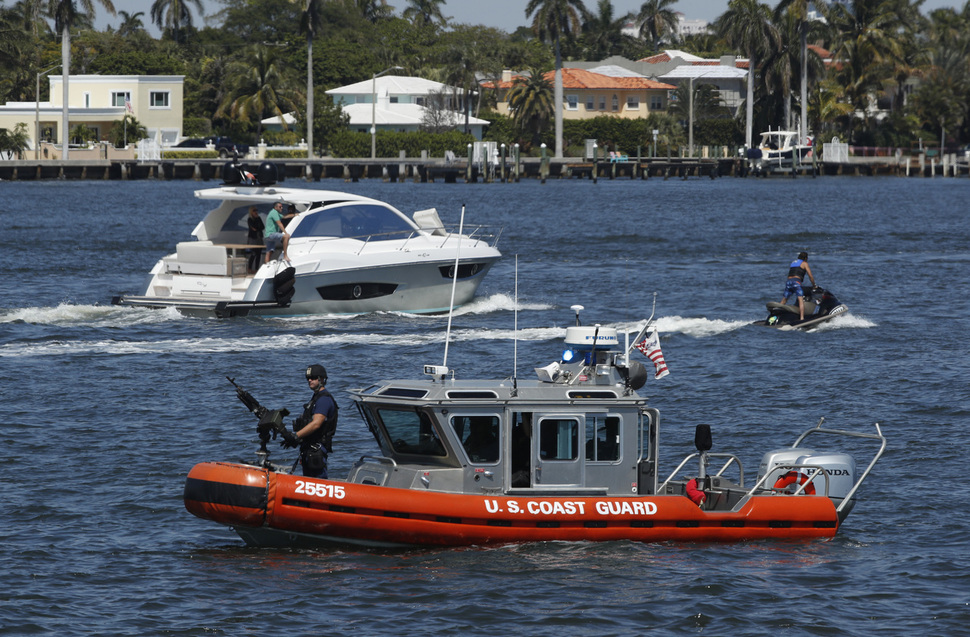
x=820 y=306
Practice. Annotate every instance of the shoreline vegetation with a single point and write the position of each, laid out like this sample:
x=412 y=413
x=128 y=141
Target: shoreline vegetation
x=874 y=73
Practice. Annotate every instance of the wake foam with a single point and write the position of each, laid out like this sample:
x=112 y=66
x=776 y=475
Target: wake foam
x=845 y=321
x=68 y=314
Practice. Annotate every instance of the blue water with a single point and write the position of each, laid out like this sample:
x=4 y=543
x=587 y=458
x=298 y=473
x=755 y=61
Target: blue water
x=106 y=409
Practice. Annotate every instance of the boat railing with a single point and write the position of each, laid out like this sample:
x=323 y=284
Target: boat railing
x=478 y=233
x=809 y=471
x=731 y=460
x=379 y=460
x=818 y=429
x=472 y=234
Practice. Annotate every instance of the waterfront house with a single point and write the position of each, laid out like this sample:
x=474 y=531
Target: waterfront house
x=100 y=102
x=401 y=103
x=602 y=90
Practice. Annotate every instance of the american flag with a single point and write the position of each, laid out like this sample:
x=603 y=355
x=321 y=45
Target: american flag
x=650 y=347
x=128 y=106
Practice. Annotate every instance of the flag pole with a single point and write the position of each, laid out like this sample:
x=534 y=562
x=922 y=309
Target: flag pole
x=643 y=332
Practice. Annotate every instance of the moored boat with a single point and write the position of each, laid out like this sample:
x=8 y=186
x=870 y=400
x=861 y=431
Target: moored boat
x=348 y=254
x=779 y=151
x=573 y=454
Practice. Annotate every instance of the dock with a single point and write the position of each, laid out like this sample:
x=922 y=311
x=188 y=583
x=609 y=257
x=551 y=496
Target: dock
x=423 y=170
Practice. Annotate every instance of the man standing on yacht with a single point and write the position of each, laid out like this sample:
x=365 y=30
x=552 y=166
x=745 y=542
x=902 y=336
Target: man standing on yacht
x=275 y=232
x=797 y=270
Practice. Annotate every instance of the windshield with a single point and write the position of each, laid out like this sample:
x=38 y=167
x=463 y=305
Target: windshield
x=354 y=221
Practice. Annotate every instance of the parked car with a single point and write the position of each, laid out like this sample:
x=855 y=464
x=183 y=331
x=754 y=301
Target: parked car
x=224 y=145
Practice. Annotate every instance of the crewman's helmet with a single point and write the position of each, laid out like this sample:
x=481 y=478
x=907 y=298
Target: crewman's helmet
x=317 y=371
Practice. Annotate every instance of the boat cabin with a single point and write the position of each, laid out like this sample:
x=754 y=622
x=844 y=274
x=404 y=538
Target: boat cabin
x=581 y=429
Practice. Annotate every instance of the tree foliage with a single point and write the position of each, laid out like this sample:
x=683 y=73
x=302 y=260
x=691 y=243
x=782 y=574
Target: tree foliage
x=892 y=73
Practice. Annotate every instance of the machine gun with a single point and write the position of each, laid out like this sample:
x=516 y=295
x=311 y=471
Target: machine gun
x=270 y=421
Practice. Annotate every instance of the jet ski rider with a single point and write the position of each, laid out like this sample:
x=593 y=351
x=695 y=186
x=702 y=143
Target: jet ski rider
x=796 y=274
x=316 y=426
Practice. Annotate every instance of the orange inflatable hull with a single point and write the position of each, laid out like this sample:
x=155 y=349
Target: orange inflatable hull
x=259 y=503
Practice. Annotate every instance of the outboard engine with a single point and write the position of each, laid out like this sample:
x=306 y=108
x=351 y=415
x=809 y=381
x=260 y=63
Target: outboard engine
x=839 y=467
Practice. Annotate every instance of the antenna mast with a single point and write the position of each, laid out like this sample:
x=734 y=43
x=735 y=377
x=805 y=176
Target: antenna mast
x=454 y=282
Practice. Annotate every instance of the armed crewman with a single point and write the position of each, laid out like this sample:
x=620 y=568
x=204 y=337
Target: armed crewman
x=316 y=426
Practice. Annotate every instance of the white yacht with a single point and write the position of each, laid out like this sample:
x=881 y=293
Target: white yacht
x=780 y=151
x=346 y=254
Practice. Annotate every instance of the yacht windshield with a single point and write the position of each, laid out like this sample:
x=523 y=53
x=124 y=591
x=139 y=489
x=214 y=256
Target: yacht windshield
x=360 y=221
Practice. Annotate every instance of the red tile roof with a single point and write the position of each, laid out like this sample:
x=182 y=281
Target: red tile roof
x=577 y=79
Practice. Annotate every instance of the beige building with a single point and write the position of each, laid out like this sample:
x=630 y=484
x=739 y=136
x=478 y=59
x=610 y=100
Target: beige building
x=99 y=102
x=604 y=90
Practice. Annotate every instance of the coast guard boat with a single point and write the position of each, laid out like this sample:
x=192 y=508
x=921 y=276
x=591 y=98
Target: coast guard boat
x=347 y=254
x=573 y=454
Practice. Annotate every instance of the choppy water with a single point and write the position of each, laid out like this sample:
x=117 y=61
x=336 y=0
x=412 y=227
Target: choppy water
x=106 y=409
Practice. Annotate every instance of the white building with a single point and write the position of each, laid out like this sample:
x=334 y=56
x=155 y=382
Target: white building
x=397 y=103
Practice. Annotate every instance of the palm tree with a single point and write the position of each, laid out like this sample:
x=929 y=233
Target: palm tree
x=602 y=32
x=130 y=23
x=531 y=100
x=867 y=44
x=65 y=14
x=373 y=10
x=460 y=72
x=826 y=106
x=554 y=20
x=425 y=12
x=260 y=90
x=746 y=25
x=657 y=19
x=798 y=9
x=311 y=21
x=173 y=14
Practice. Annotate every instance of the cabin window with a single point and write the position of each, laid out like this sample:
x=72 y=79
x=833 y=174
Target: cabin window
x=235 y=229
x=411 y=432
x=602 y=438
x=558 y=439
x=354 y=221
x=479 y=436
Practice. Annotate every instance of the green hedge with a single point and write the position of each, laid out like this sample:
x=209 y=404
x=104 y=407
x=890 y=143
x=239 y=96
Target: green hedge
x=389 y=144
x=190 y=154
x=292 y=153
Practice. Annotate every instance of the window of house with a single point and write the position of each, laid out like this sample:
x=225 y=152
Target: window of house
x=87 y=100
x=590 y=103
x=158 y=99
x=118 y=98
x=656 y=103
x=616 y=103
x=572 y=102
x=633 y=102
x=393 y=99
x=602 y=102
